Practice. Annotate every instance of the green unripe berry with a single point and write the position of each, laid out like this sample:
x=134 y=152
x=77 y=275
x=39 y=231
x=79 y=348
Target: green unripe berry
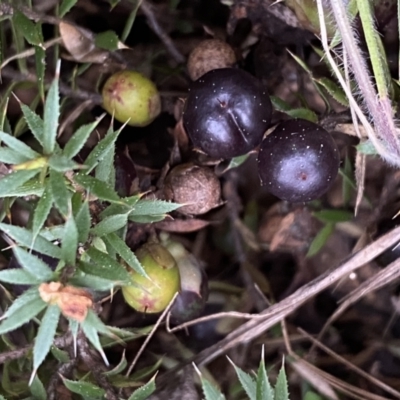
x=153 y=295
x=132 y=98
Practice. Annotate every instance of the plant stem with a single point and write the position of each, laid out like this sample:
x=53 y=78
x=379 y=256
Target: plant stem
x=379 y=108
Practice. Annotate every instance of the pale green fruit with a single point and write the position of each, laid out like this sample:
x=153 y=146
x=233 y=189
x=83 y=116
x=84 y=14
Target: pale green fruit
x=153 y=295
x=132 y=98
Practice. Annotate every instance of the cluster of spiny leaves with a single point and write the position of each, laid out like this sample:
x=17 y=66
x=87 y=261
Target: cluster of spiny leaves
x=256 y=386
x=86 y=252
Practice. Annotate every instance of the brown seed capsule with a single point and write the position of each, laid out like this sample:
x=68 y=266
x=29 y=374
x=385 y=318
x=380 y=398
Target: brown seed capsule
x=197 y=187
x=208 y=55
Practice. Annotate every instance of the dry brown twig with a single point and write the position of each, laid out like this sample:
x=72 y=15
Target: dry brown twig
x=351 y=366
x=147 y=10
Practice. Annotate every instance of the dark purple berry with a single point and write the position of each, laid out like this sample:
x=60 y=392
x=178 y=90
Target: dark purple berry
x=298 y=161
x=227 y=113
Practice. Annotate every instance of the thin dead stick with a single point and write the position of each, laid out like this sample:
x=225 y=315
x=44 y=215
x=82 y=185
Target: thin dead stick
x=382 y=278
x=227 y=314
x=255 y=327
x=160 y=32
x=344 y=387
x=150 y=335
x=30 y=52
x=351 y=366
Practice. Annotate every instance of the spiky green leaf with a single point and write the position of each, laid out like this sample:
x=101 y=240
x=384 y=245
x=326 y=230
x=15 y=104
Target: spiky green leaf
x=281 y=387
x=18 y=277
x=247 y=381
x=97 y=188
x=106 y=267
x=144 y=391
x=78 y=139
x=34 y=265
x=15 y=180
x=101 y=149
x=69 y=245
x=22 y=301
x=24 y=237
x=42 y=210
x=35 y=123
x=85 y=389
x=22 y=316
x=122 y=249
x=59 y=191
x=44 y=338
x=110 y=224
x=18 y=146
x=50 y=120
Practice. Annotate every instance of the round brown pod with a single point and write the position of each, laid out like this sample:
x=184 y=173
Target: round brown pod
x=227 y=113
x=298 y=161
x=197 y=187
x=208 y=55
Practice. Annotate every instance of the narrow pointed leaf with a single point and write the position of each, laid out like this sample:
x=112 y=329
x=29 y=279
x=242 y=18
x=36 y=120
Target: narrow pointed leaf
x=65 y=6
x=32 y=187
x=110 y=224
x=281 y=387
x=42 y=210
x=333 y=215
x=247 y=381
x=34 y=122
x=83 y=220
x=24 y=237
x=97 y=188
x=78 y=139
x=18 y=146
x=147 y=219
x=90 y=331
x=154 y=207
x=18 y=276
x=22 y=301
x=105 y=170
x=144 y=391
x=34 y=265
x=61 y=163
x=30 y=30
x=37 y=389
x=9 y=156
x=85 y=389
x=15 y=180
x=22 y=316
x=264 y=388
x=90 y=281
x=107 y=40
x=50 y=120
x=101 y=149
x=123 y=250
x=59 y=191
x=127 y=206
x=40 y=64
x=320 y=239
x=210 y=391
x=118 y=368
x=45 y=336
x=106 y=267
x=69 y=244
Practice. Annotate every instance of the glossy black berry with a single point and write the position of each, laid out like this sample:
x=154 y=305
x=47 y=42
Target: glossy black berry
x=227 y=113
x=298 y=161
